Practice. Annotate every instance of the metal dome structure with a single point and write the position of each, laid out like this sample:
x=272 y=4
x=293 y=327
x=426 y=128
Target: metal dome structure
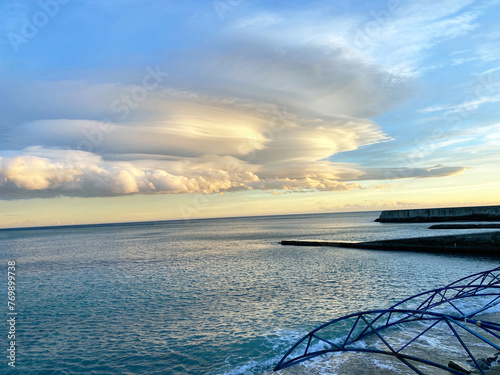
x=404 y=330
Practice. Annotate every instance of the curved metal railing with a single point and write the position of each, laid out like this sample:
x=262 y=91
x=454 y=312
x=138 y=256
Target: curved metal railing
x=449 y=307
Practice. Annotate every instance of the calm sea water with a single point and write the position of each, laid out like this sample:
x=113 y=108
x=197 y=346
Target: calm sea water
x=217 y=296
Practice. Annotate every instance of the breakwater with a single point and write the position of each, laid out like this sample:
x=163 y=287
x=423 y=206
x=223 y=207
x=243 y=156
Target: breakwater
x=477 y=243
x=482 y=213
x=465 y=226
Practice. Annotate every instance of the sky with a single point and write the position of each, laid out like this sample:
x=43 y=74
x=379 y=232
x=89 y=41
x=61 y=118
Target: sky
x=156 y=110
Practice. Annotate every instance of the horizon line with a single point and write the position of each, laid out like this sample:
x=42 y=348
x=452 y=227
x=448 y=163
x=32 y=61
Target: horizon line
x=103 y=224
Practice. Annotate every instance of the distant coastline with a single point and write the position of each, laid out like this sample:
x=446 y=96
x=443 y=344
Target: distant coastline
x=161 y=221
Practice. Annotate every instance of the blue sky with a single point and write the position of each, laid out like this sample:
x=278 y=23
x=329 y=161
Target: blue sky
x=239 y=107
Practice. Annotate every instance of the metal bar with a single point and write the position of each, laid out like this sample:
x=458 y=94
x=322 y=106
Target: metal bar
x=464 y=346
x=496 y=277
x=406 y=319
x=486 y=307
x=447 y=300
x=378 y=334
x=434 y=292
x=491 y=333
x=308 y=343
x=428 y=300
x=420 y=334
x=411 y=366
x=362 y=334
x=476 y=334
x=370 y=351
x=328 y=342
x=350 y=332
x=388 y=318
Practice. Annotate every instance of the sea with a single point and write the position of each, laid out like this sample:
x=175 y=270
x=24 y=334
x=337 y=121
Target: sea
x=208 y=296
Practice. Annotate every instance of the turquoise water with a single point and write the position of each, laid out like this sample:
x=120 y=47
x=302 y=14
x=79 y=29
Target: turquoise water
x=217 y=296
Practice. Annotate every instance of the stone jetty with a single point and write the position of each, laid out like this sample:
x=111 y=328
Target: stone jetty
x=487 y=244
x=465 y=226
x=482 y=213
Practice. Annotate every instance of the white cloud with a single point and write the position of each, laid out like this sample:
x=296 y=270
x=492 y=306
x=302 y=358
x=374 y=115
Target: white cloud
x=470 y=105
x=416 y=172
x=367 y=204
x=260 y=20
x=401 y=36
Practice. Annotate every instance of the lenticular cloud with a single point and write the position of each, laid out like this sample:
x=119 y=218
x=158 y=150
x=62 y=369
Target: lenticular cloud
x=272 y=117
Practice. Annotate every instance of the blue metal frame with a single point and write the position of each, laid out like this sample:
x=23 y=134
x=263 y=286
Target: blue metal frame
x=422 y=308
